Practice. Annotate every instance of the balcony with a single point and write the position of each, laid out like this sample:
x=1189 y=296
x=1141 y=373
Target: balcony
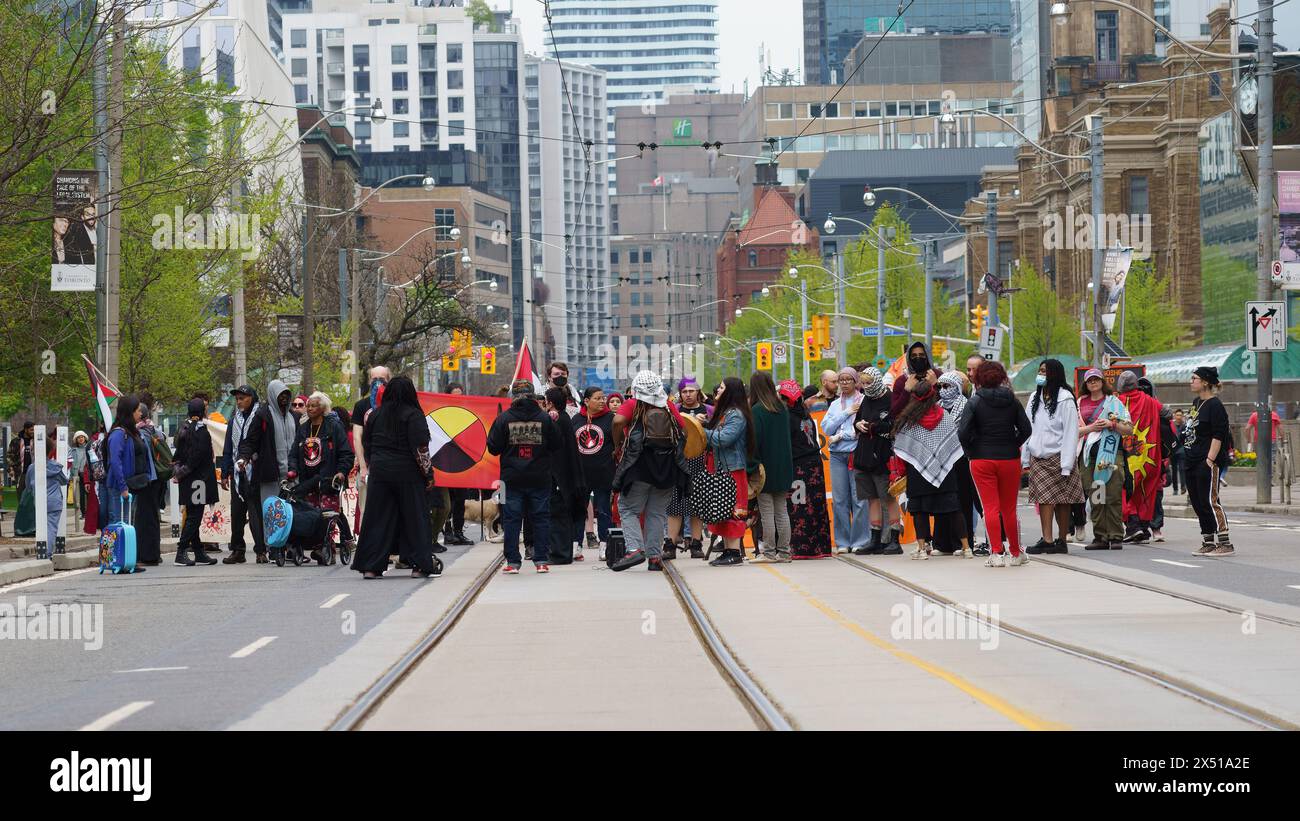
x=335 y=95
x=334 y=68
x=334 y=39
x=427 y=30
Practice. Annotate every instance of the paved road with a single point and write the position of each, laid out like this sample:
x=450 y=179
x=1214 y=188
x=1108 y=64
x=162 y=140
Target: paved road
x=206 y=646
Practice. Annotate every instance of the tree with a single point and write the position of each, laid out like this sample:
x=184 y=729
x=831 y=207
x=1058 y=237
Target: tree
x=478 y=11
x=1153 y=321
x=1045 y=325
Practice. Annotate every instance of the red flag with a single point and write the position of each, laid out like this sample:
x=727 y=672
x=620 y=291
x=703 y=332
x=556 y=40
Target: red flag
x=1144 y=458
x=102 y=391
x=458 y=429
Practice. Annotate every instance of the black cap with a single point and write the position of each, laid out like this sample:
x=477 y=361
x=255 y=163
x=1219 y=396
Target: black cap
x=1208 y=374
x=244 y=389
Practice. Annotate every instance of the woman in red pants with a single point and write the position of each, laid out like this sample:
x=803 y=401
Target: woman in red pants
x=992 y=429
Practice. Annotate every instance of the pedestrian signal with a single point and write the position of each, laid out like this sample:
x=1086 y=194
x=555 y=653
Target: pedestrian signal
x=763 y=356
x=822 y=326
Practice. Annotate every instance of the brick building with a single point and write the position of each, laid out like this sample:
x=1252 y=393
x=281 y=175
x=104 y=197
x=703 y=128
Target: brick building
x=752 y=253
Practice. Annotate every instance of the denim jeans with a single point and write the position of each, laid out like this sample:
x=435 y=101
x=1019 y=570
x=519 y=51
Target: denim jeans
x=852 y=515
x=537 y=502
x=604 y=519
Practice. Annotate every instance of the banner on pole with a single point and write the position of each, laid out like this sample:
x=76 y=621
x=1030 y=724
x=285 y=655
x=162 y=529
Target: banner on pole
x=72 y=240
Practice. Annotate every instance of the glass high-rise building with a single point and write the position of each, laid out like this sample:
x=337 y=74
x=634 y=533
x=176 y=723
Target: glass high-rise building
x=833 y=27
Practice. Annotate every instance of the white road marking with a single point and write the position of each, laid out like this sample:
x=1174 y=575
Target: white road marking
x=151 y=669
x=244 y=652
x=1176 y=564
x=62 y=574
x=1294 y=586
x=120 y=714
x=333 y=600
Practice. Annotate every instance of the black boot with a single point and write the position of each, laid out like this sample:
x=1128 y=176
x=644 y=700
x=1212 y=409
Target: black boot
x=873 y=547
x=891 y=547
x=670 y=550
x=201 y=556
x=697 y=549
x=1040 y=546
x=182 y=557
x=458 y=538
x=235 y=557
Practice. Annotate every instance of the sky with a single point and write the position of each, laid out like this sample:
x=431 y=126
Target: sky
x=779 y=28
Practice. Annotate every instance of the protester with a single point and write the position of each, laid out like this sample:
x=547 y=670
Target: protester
x=267 y=442
x=692 y=402
x=526 y=440
x=1144 y=457
x=195 y=474
x=397 y=439
x=595 y=438
x=973 y=363
x=1252 y=432
x=455 y=389
x=148 y=500
x=130 y=467
x=919 y=368
x=1103 y=421
x=56 y=480
x=730 y=436
x=874 y=424
x=558 y=377
x=810 y=524
x=1208 y=441
x=822 y=398
x=652 y=466
x=569 y=490
x=772 y=438
x=298 y=406
x=321 y=459
x=952 y=398
x=83 y=466
x=1167 y=441
x=20 y=455
x=1049 y=456
x=245 y=494
x=925 y=438
x=1178 y=469
x=852 y=514
x=379 y=376
x=613 y=401
x=992 y=429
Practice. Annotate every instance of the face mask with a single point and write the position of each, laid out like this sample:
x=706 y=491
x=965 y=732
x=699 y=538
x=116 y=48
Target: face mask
x=560 y=381
x=1040 y=380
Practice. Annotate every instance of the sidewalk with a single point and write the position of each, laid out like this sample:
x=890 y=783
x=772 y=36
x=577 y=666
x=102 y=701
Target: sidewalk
x=18 y=560
x=1235 y=500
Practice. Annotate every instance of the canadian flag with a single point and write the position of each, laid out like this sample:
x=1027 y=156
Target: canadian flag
x=659 y=180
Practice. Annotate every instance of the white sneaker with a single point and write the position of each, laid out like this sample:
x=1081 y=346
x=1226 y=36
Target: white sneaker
x=1016 y=561
x=920 y=552
x=964 y=553
x=1157 y=536
x=843 y=550
x=994 y=560
x=762 y=558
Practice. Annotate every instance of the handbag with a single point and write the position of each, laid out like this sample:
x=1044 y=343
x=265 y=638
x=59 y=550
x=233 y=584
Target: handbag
x=712 y=495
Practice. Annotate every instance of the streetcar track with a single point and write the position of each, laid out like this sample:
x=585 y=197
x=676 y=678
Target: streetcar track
x=1195 y=692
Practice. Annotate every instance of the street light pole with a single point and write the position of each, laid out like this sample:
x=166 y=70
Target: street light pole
x=1264 y=359
x=789 y=343
x=803 y=319
x=991 y=229
x=929 y=295
x=880 y=292
x=308 y=308
x=1096 y=161
x=841 y=324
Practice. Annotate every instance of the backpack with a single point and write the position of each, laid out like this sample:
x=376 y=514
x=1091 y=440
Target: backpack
x=660 y=428
x=162 y=458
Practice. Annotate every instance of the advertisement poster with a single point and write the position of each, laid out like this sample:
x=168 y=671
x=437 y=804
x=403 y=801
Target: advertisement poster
x=1288 y=201
x=72 y=240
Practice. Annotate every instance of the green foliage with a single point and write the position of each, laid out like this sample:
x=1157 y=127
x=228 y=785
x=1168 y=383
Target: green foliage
x=480 y=13
x=1045 y=324
x=1153 y=321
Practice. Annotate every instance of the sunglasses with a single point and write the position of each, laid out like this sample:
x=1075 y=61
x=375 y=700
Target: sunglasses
x=299 y=404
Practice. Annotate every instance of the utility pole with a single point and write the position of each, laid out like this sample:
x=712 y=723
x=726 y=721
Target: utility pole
x=841 y=321
x=1264 y=359
x=803 y=319
x=1096 y=162
x=789 y=343
x=238 y=338
x=880 y=292
x=930 y=254
x=308 y=306
x=113 y=269
x=991 y=230
x=102 y=206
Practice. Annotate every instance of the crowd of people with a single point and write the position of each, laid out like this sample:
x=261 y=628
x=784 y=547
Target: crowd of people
x=695 y=472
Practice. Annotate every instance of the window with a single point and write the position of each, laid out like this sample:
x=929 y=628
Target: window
x=399 y=81
x=649 y=300
x=753 y=259
x=401 y=129
x=873 y=109
x=936 y=108
x=444 y=219
x=428 y=56
x=634 y=256
x=1216 y=84
x=455 y=105
x=905 y=109
x=614 y=298
x=613 y=259
x=363 y=130
x=455 y=79
x=401 y=106
x=636 y=298
x=191 y=55
x=300 y=94
x=891 y=109
x=399 y=55
x=645 y=255
x=780 y=111
x=360 y=56
x=647 y=320
x=860 y=109
x=1107 y=25
x=361 y=82
x=226 y=54
x=297 y=38
x=828 y=110
x=1139 y=199
x=298 y=67
x=455 y=128
x=455 y=53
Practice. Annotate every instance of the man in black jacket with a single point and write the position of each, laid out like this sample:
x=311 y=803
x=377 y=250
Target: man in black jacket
x=526 y=439
x=245 y=500
x=269 y=438
x=196 y=475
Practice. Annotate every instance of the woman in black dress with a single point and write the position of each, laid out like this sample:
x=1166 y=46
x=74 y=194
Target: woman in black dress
x=396 y=444
x=925 y=437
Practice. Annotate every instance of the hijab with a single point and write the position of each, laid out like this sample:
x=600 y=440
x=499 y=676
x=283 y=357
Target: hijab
x=877 y=387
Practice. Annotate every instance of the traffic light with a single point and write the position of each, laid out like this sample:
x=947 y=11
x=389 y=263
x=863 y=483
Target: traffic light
x=763 y=356
x=822 y=327
x=940 y=348
x=978 y=315
x=462 y=343
x=450 y=363
x=487 y=360
x=811 y=350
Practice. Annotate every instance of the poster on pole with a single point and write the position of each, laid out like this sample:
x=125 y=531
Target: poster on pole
x=72 y=238
x=1288 y=200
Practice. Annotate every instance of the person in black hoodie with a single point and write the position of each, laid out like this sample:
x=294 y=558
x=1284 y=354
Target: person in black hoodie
x=194 y=470
x=873 y=423
x=245 y=498
x=992 y=428
x=526 y=439
x=594 y=434
x=321 y=459
x=569 y=491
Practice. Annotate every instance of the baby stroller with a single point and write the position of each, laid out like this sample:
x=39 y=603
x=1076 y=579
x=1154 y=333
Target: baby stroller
x=296 y=531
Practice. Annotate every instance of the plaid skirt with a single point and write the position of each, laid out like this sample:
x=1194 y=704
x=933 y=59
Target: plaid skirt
x=1048 y=487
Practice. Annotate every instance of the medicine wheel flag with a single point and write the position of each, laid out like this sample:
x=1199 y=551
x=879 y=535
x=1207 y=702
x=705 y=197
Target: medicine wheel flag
x=104 y=392
x=458 y=427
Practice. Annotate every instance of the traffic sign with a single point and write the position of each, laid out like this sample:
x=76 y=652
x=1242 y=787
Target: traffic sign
x=871 y=330
x=882 y=364
x=780 y=354
x=1286 y=275
x=1266 y=326
x=990 y=342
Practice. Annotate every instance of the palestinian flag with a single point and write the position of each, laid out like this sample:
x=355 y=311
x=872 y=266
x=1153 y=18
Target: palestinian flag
x=105 y=392
x=524 y=368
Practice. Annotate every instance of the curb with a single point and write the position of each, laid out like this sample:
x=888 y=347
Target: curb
x=20 y=570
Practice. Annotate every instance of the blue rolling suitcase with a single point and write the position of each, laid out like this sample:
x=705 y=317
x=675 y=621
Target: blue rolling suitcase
x=117 y=545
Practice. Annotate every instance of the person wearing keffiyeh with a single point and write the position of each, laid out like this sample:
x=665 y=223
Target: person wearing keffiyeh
x=952 y=399
x=925 y=438
x=874 y=423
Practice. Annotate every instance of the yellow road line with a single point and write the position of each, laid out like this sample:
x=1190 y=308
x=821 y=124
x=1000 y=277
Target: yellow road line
x=1025 y=719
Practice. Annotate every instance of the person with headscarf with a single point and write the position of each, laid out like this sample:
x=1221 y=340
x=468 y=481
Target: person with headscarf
x=952 y=398
x=82 y=468
x=1049 y=456
x=1103 y=421
x=852 y=515
x=919 y=369
x=874 y=423
x=692 y=402
x=992 y=428
x=196 y=475
x=1208 y=440
x=925 y=438
x=397 y=440
x=810 y=523
x=1145 y=461
x=148 y=523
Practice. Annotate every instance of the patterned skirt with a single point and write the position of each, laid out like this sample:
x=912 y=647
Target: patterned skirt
x=677 y=507
x=735 y=528
x=810 y=523
x=1048 y=487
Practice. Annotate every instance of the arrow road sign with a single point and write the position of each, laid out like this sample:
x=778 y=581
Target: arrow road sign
x=1266 y=326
